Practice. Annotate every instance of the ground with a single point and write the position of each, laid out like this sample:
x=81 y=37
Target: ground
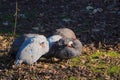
x=95 y=22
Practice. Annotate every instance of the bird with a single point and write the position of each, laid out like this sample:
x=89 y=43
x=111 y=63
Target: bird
x=67 y=47
x=34 y=47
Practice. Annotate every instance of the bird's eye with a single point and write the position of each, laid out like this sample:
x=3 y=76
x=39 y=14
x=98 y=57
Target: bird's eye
x=42 y=43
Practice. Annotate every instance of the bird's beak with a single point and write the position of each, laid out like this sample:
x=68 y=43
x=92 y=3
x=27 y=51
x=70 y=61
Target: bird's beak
x=70 y=44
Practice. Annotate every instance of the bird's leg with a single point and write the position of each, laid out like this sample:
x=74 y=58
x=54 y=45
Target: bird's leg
x=31 y=67
x=35 y=64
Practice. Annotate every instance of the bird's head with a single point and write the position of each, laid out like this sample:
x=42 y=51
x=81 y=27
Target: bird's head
x=66 y=42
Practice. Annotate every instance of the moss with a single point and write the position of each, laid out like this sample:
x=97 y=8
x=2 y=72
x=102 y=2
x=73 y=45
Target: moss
x=76 y=61
x=96 y=63
x=96 y=55
x=73 y=78
x=113 y=54
x=99 y=67
x=113 y=70
x=100 y=79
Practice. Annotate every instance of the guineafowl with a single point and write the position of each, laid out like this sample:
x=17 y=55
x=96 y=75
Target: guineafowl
x=69 y=46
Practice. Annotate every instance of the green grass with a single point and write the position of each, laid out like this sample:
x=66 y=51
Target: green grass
x=113 y=54
x=98 y=62
x=73 y=78
x=101 y=54
x=113 y=70
x=77 y=61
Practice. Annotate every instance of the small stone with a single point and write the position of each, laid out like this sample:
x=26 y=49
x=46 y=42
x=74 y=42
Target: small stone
x=22 y=15
x=66 y=20
x=95 y=30
x=97 y=10
x=47 y=77
x=36 y=28
x=5 y=23
x=89 y=8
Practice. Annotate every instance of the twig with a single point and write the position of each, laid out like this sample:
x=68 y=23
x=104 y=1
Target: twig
x=15 y=25
x=16 y=14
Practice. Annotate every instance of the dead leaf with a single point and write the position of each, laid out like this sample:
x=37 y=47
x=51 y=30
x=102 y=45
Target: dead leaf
x=62 y=66
x=1 y=37
x=47 y=77
x=45 y=66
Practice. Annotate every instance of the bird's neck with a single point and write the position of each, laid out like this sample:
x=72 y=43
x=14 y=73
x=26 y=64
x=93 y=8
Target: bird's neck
x=53 y=39
x=51 y=43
